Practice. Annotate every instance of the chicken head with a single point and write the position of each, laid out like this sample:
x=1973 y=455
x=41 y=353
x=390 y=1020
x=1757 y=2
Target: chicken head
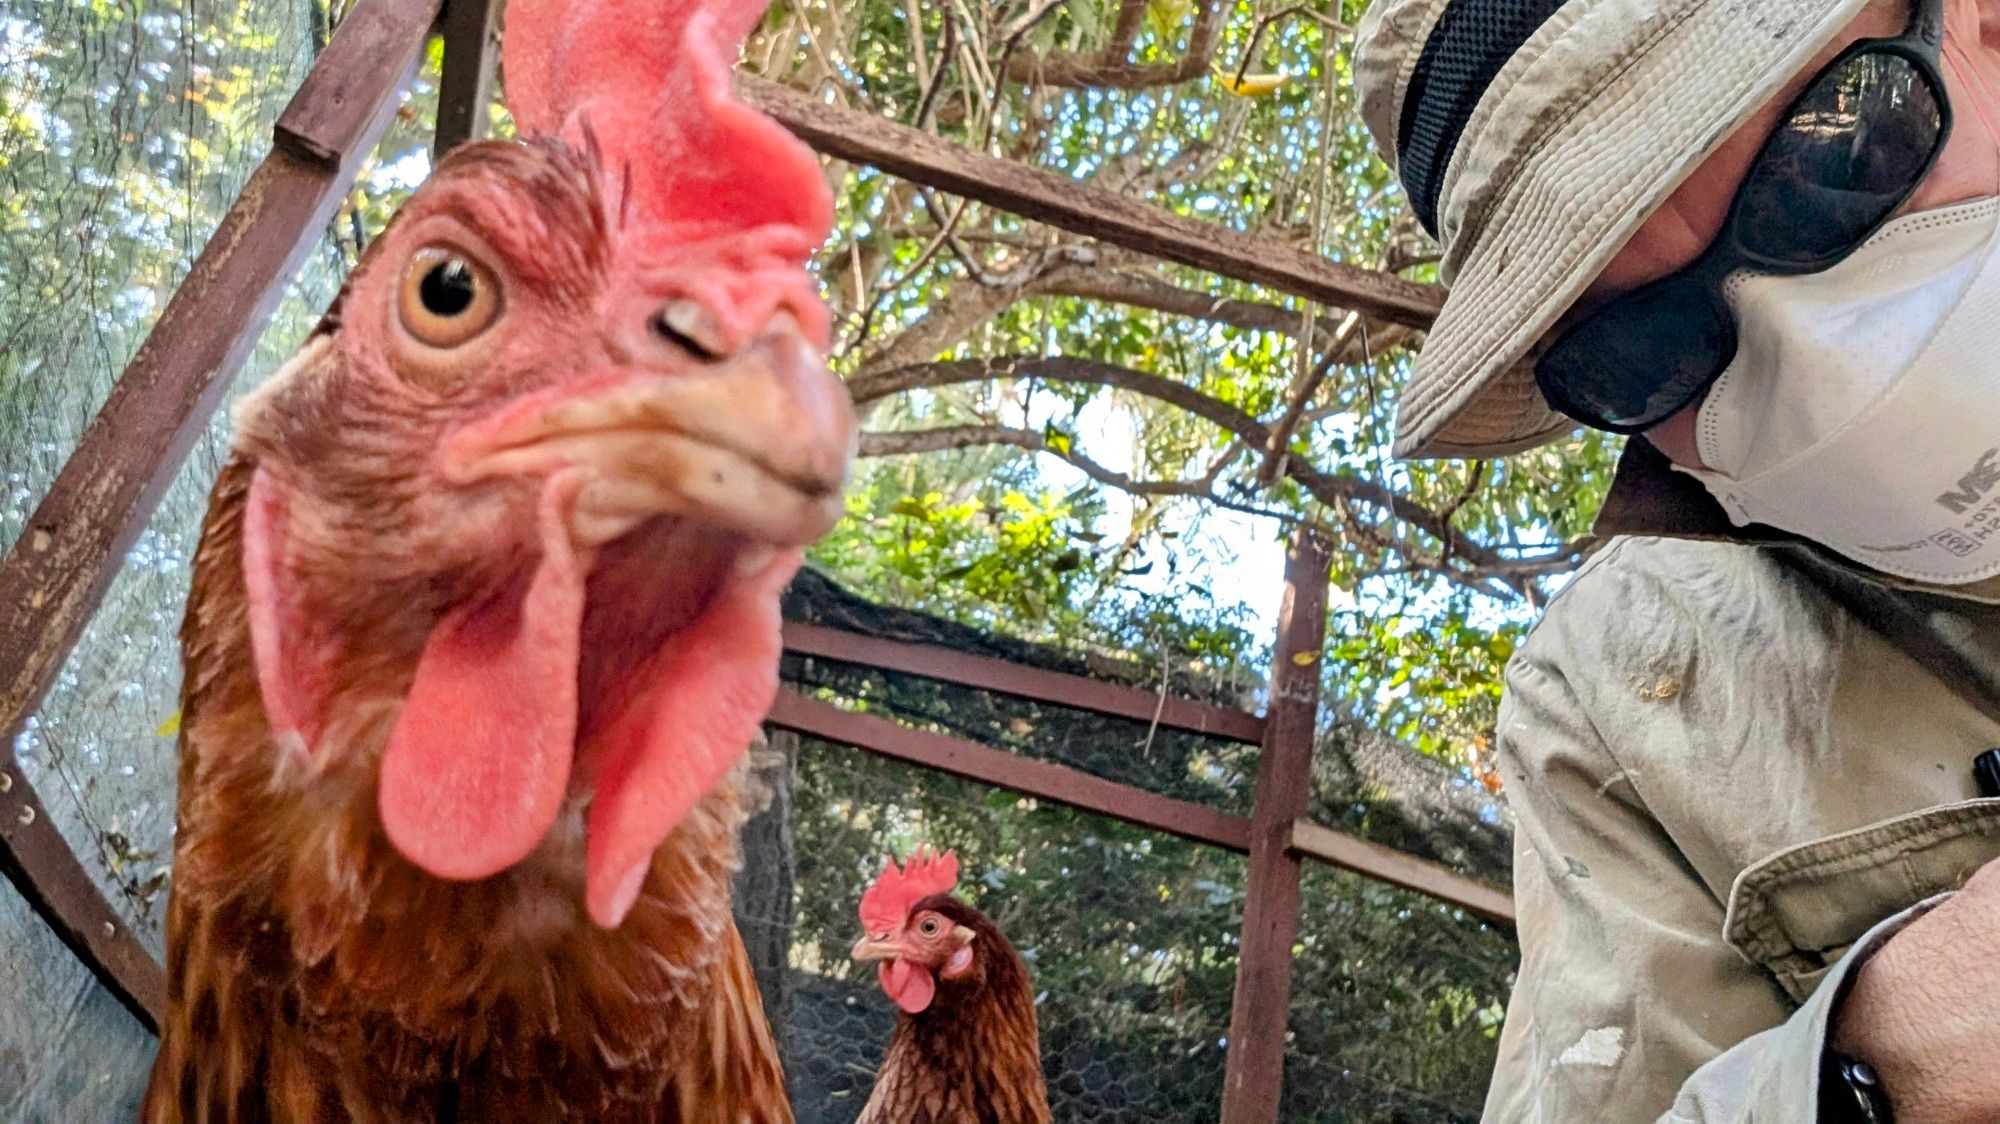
x=550 y=459
x=914 y=930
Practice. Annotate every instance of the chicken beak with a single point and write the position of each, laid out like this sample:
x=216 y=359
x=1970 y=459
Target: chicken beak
x=759 y=442
x=868 y=950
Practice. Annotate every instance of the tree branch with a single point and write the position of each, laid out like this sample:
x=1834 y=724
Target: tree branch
x=1149 y=292
x=1338 y=491
x=1066 y=271
x=964 y=307
x=1113 y=68
x=918 y=441
x=1124 y=33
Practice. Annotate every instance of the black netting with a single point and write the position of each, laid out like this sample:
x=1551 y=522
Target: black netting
x=1396 y=1005
x=1130 y=934
x=1472 y=41
x=1364 y=783
x=819 y=599
x=1380 y=789
x=1187 y=766
x=126 y=130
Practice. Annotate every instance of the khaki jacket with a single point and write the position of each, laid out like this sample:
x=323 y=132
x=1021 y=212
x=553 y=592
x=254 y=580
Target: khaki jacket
x=1729 y=789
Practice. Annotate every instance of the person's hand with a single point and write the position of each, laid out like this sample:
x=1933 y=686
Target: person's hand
x=1925 y=1011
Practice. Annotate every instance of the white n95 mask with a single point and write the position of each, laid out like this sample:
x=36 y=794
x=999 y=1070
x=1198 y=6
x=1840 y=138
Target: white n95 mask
x=1862 y=410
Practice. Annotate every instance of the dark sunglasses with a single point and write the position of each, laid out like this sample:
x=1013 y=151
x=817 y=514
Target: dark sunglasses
x=1850 y=150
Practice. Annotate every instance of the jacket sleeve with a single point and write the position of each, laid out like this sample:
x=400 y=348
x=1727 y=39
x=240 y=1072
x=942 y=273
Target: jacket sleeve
x=1630 y=1005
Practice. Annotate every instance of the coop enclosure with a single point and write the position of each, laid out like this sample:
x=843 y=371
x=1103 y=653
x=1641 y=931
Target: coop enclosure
x=1175 y=852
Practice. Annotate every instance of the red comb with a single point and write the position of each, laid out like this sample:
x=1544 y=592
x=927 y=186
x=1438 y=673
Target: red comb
x=649 y=80
x=887 y=902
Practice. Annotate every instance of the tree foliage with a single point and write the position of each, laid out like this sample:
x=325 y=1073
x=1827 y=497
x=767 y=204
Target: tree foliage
x=997 y=357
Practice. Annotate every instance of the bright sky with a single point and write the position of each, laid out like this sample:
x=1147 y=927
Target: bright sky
x=1240 y=558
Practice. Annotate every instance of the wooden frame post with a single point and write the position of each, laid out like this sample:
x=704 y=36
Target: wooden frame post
x=1254 y=1078
x=72 y=547
x=471 y=30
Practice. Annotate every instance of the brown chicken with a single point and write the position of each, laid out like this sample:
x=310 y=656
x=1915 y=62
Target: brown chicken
x=966 y=1049
x=485 y=615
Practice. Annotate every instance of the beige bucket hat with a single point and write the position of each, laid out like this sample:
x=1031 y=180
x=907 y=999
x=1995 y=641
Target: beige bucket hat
x=1533 y=137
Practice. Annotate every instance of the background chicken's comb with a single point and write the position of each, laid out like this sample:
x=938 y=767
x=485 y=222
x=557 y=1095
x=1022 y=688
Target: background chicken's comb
x=887 y=902
x=649 y=82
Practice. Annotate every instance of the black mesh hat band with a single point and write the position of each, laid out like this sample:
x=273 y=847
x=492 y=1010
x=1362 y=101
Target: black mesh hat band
x=1471 y=42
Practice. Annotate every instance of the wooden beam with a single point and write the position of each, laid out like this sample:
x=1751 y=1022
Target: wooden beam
x=471 y=30
x=1083 y=208
x=1011 y=771
x=72 y=547
x=934 y=661
x=1386 y=864
x=1253 y=1077
x=35 y=856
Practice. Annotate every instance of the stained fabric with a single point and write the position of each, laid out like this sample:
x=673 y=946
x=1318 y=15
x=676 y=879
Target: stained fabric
x=1728 y=789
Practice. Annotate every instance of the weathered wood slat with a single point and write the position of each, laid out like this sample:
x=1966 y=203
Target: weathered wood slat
x=1010 y=771
x=37 y=858
x=1253 y=1074
x=933 y=661
x=71 y=549
x=1386 y=864
x=1086 y=209
x=342 y=106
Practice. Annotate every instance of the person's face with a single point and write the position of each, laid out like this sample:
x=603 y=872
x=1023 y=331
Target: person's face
x=1969 y=168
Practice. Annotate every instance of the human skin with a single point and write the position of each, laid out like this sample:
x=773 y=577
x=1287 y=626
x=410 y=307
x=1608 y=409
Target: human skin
x=1968 y=168
x=1922 y=1010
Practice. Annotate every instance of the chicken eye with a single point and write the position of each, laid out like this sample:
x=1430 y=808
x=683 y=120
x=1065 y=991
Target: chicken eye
x=929 y=927
x=447 y=298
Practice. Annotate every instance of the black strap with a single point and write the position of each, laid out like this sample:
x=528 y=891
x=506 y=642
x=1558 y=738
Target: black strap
x=1468 y=47
x=1916 y=623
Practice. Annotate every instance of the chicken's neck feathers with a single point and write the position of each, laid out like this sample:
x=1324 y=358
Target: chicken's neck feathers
x=286 y=888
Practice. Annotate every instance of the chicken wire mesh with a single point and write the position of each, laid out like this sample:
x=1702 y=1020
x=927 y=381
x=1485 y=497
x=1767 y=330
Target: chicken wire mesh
x=126 y=130
x=1397 y=1002
x=1130 y=935
x=1397 y=998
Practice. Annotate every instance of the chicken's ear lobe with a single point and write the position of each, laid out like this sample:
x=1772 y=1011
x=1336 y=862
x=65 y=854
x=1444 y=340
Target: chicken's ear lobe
x=289 y=644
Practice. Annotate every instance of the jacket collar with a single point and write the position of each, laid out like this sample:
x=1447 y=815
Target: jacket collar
x=1648 y=497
